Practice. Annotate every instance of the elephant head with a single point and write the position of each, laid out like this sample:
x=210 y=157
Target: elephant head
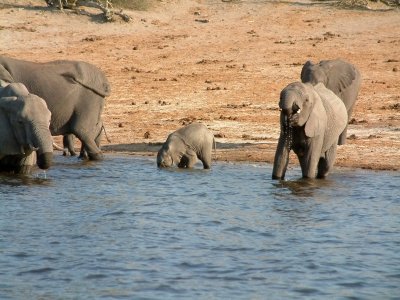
x=170 y=153
x=25 y=125
x=313 y=73
x=297 y=104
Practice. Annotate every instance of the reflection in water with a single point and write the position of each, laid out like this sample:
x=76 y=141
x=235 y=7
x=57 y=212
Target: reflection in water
x=304 y=188
x=122 y=228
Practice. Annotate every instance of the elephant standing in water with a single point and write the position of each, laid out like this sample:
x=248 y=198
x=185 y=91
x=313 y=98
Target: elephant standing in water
x=24 y=130
x=74 y=92
x=340 y=77
x=184 y=146
x=312 y=118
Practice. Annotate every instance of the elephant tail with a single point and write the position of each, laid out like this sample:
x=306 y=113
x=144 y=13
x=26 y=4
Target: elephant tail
x=215 y=148
x=105 y=133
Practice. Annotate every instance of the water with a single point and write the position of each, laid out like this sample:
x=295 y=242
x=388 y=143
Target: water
x=122 y=229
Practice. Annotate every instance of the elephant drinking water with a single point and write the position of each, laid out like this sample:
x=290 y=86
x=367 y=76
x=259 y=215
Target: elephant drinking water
x=184 y=146
x=24 y=130
x=312 y=118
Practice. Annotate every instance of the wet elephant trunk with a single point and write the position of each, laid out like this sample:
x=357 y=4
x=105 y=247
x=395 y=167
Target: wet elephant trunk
x=43 y=143
x=281 y=159
x=45 y=160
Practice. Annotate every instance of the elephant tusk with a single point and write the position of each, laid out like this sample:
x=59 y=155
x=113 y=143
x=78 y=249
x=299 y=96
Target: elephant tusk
x=298 y=111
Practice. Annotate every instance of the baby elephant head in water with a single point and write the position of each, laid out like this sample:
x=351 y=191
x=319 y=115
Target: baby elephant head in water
x=166 y=158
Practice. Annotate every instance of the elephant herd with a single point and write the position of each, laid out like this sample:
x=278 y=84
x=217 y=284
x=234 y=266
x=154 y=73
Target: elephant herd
x=41 y=100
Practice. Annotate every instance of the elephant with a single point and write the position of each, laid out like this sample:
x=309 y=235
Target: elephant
x=341 y=77
x=311 y=118
x=184 y=146
x=24 y=130
x=74 y=91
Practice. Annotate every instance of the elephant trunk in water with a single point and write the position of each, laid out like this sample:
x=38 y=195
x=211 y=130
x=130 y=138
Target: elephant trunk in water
x=289 y=107
x=42 y=143
x=45 y=160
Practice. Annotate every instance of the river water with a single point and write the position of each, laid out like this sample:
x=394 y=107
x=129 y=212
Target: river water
x=123 y=229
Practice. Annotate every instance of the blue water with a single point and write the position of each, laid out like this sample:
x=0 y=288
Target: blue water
x=123 y=229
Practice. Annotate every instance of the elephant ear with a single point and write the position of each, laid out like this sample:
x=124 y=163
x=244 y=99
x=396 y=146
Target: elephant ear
x=305 y=71
x=86 y=75
x=5 y=75
x=317 y=119
x=340 y=76
x=8 y=141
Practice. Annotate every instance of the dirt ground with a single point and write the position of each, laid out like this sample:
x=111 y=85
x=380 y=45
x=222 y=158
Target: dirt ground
x=222 y=63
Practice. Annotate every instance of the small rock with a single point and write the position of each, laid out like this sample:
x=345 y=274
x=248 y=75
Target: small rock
x=146 y=135
x=352 y=137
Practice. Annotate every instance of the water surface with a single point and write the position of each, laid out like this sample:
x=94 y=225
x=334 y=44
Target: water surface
x=122 y=229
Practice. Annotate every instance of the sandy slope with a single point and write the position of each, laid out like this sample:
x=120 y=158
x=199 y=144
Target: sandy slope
x=223 y=64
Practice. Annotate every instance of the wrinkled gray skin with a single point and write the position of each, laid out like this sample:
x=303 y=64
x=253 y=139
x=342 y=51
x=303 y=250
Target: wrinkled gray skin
x=24 y=129
x=69 y=146
x=312 y=118
x=184 y=146
x=74 y=92
x=340 y=77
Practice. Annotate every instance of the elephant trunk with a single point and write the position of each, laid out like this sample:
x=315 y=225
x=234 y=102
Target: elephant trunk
x=42 y=143
x=281 y=159
x=45 y=160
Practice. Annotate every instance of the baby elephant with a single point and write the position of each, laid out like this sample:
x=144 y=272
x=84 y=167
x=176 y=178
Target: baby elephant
x=184 y=146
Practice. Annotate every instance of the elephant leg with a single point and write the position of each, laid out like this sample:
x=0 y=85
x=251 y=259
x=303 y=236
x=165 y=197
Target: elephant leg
x=93 y=152
x=83 y=153
x=17 y=164
x=192 y=159
x=325 y=163
x=68 y=144
x=206 y=162
x=187 y=161
x=183 y=162
x=309 y=160
x=206 y=156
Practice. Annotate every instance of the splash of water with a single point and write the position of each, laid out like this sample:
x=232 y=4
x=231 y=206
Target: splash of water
x=42 y=175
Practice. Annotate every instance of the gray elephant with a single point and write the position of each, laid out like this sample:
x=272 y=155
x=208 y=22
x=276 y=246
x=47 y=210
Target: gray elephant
x=340 y=77
x=312 y=118
x=24 y=130
x=184 y=146
x=74 y=92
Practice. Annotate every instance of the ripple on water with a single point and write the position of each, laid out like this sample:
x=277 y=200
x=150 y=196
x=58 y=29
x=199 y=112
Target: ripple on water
x=123 y=228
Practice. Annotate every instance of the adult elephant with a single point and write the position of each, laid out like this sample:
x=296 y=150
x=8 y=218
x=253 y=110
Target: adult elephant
x=312 y=118
x=24 y=130
x=74 y=92
x=341 y=77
